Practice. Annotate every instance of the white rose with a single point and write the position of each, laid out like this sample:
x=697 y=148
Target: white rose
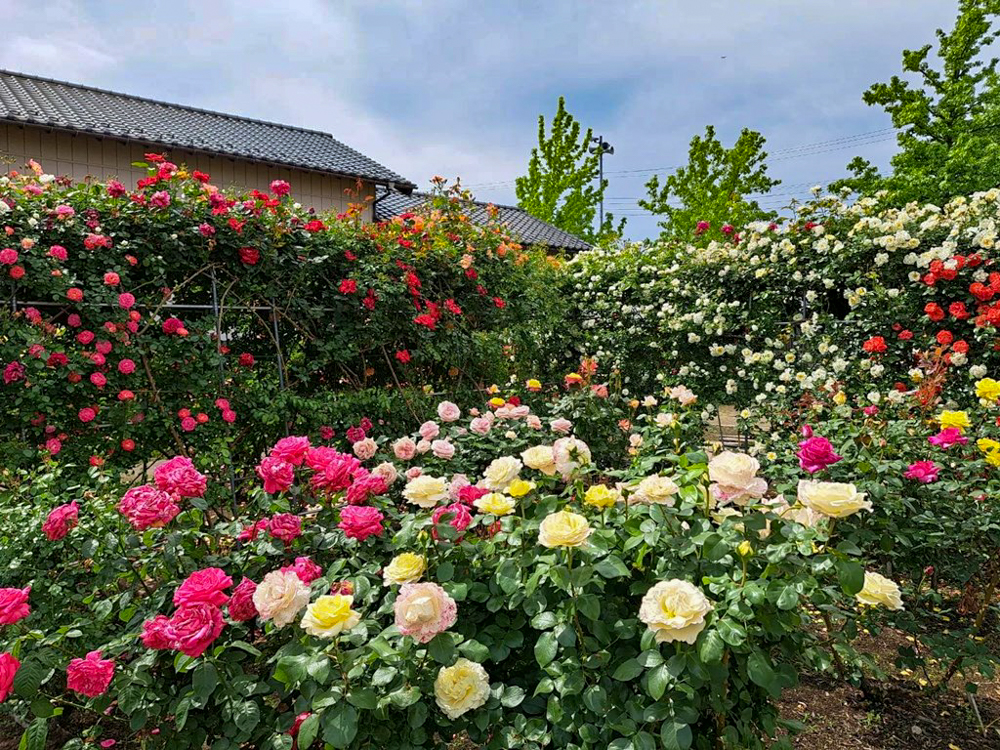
x=501 y=472
x=426 y=491
x=833 y=499
x=569 y=454
x=675 y=611
x=280 y=597
x=540 y=458
x=880 y=591
x=654 y=490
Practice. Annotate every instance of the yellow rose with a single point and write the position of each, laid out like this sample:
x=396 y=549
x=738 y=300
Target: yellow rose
x=675 y=611
x=520 y=488
x=601 y=496
x=745 y=549
x=426 y=491
x=462 y=687
x=654 y=490
x=833 y=499
x=988 y=388
x=563 y=529
x=879 y=591
x=497 y=402
x=496 y=504
x=993 y=458
x=957 y=419
x=501 y=472
x=533 y=384
x=329 y=616
x=840 y=398
x=405 y=568
x=540 y=458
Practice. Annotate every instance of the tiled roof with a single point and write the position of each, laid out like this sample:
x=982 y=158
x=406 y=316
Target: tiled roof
x=42 y=101
x=523 y=226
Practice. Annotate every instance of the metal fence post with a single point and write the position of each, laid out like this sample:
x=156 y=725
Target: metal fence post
x=217 y=312
x=277 y=348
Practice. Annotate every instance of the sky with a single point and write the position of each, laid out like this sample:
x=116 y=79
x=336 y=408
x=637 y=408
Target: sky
x=443 y=87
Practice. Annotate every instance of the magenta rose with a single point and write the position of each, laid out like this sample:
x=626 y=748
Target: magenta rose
x=277 y=474
x=205 y=586
x=291 y=449
x=360 y=522
x=8 y=668
x=179 y=477
x=305 y=569
x=364 y=486
x=333 y=470
x=923 y=471
x=456 y=515
x=90 y=676
x=948 y=437
x=146 y=507
x=241 y=606
x=816 y=453
x=156 y=633
x=60 y=520
x=285 y=526
x=193 y=629
x=14 y=605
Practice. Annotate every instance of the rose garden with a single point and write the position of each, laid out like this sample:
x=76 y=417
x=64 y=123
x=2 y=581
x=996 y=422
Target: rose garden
x=280 y=480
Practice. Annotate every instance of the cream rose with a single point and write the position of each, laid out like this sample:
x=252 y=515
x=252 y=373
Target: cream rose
x=496 y=504
x=675 y=611
x=833 y=499
x=880 y=591
x=540 y=458
x=462 y=687
x=501 y=472
x=407 y=567
x=426 y=491
x=734 y=477
x=280 y=597
x=569 y=454
x=563 y=529
x=654 y=490
x=329 y=616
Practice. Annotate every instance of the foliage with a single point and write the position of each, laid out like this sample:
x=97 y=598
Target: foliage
x=710 y=196
x=560 y=185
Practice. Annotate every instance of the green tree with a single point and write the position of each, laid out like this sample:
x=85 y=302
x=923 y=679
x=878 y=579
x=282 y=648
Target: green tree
x=562 y=186
x=713 y=187
x=948 y=116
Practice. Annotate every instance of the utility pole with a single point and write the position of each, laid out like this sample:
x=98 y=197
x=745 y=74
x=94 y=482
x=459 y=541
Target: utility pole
x=601 y=147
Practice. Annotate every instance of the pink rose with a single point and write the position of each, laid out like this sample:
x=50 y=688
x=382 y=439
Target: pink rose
x=600 y=390
x=443 y=449
x=471 y=493
x=292 y=449
x=60 y=520
x=533 y=422
x=146 y=507
x=8 y=668
x=423 y=610
x=429 y=430
x=458 y=481
x=948 y=437
x=423 y=446
x=251 y=532
x=387 y=471
x=816 y=453
x=923 y=471
x=561 y=425
x=360 y=522
x=364 y=486
x=480 y=426
x=14 y=605
x=90 y=676
x=413 y=472
x=194 y=628
x=206 y=586
x=404 y=449
x=179 y=477
x=332 y=469
x=241 y=606
x=305 y=569
x=156 y=633
x=285 y=526
x=278 y=474
x=448 y=412
x=365 y=449
x=456 y=515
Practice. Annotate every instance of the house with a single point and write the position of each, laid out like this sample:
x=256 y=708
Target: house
x=81 y=131
x=522 y=226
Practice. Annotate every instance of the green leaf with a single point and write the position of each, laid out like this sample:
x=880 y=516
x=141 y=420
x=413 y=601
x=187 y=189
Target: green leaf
x=851 y=576
x=28 y=678
x=595 y=698
x=35 y=735
x=711 y=647
x=546 y=648
x=308 y=731
x=675 y=736
x=512 y=696
x=340 y=725
x=627 y=670
x=761 y=673
x=204 y=680
x=657 y=680
x=611 y=567
x=363 y=698
x=788 y=599
x=650 y=658
x=442 y=649
x=246 y=715
x=731 y=631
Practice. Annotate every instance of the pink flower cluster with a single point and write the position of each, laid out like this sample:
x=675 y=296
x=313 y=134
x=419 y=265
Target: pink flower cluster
x=179 y=477
x=91 y=676
x=147 y=507
x=197 y=621
x=60 y=520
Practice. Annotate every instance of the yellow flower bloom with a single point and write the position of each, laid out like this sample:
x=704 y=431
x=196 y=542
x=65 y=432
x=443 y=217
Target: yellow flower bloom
x=533 y=384
x=988 y=445
x=496 y=504
x=564 y=529
x=462 y=687
x=330 y=615
x=880 y=591
x=497 y=402
x=407 y=567
x=988 y=388
x=957 y=419
x=745 y=549
x=601 y=496
x=840 y=398
x=520 y=487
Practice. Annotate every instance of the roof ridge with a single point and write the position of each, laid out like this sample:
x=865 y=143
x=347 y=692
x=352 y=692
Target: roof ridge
x=160 y=102
x=424 y=194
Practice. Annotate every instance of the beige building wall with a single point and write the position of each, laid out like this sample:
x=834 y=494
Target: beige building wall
x=80 y=156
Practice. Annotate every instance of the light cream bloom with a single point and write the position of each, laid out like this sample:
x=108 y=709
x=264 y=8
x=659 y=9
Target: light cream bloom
x=734 y=477
x=563 y=529
x=833 y=499
x=330 y=615
x=407 y=567
x=280 y=597
x=540 y=458
x=654 y=490
x=462 y=687
x=501 y=472
x=880 y=591
x=496 y=504
x=426 y=491
x=675 y=611
x=570 y=453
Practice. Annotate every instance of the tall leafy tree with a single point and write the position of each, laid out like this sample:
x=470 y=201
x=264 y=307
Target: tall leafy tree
x=948 y=114
x=562 y=186
x=714 y=187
